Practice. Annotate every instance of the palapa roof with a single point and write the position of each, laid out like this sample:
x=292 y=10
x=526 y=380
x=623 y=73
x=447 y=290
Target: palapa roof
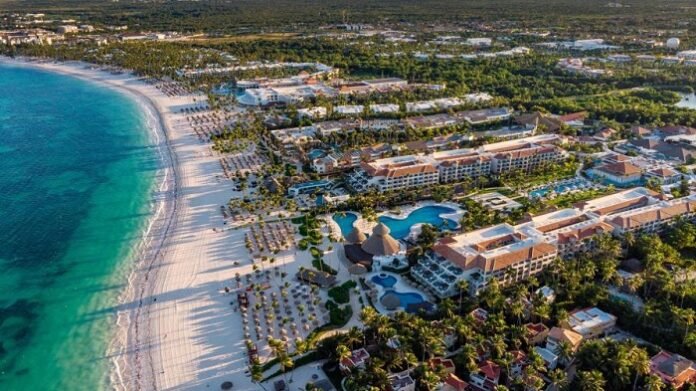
x=356 y=236
x=391 y=301
x=380 y=242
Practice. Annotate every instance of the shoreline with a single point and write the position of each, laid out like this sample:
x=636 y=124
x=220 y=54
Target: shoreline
x=126 y=332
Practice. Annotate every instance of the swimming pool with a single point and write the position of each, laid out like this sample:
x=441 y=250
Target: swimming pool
x=345 y=221
x=560 y=188
x=384 y=280
x=406 y=298
x=400 y=228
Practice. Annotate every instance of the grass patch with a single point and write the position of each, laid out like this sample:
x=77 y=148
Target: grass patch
x=339 y=315
x=319 y=264
x=341 y=294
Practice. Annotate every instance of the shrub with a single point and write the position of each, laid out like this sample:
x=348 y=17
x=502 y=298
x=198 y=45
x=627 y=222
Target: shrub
x=341 y=294
x=319 y=264
x=339 y=315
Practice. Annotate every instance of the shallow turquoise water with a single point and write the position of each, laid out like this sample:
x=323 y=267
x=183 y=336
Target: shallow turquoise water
x=77 y=173
x=345 y=221
x=400 y=228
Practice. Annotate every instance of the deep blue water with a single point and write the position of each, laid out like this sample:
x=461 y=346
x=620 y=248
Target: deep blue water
x=406 y=298
x=77 y=173
x=387 y=281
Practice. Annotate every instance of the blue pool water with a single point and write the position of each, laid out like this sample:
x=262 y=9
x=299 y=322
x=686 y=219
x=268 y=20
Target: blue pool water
x=407 y=298
x=559 y=189
x=345 y=221
x=315 y=154
x=400 y=228
x=386 y=281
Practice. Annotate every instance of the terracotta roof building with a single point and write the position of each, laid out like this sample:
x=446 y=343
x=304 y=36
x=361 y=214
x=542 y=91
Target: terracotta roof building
x=559 y=335
x=665 y=176
x=419 y=170
x=656 y=217
x=673 y=369
x=487 y=376
x=498 y=252
x=620 y=174
x=358 y=358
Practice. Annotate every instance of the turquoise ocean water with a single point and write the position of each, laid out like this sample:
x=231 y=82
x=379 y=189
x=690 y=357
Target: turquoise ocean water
x=77 y=169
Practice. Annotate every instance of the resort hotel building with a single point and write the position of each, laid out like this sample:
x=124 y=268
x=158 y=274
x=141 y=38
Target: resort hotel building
x=513 y=253
x=404 y=172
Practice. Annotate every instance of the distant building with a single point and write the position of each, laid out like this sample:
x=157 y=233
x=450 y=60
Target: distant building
x=349 y=110
x=67 y=29
x=536 y=333
x=654 y=218
x=558 y=335
x=487 y=376
x=549 y=356
x=620 y=174
x=402 y=382
x=591 y=322
x=673 y=369
x=665 y=176
x=358 y=359
x=309 y=187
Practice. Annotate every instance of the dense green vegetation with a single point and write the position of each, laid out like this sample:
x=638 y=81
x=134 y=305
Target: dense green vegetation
x=259 y=15
x=341 y=294
x=582 y=282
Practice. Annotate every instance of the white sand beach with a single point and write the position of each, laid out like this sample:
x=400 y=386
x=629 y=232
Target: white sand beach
x=176 y=329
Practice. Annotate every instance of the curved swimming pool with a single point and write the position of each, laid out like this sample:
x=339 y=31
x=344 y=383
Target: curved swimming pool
x=400 y=228
x=406 y=298
x=384 y=280
x=345 y=221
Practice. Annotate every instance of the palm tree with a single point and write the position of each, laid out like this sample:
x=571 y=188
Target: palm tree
x=353 y=336
x=591 y=380
x=462 y=285
x=640 y=362
x=558 y=379
x=687 y=316
x=654 y=383
x=257 y=375
x=564 y=351
x=342 y=352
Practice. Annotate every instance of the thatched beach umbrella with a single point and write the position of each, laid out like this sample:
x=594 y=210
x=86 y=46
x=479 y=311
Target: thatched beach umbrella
x=357 y=269
x=356 y=236
x=391 y=301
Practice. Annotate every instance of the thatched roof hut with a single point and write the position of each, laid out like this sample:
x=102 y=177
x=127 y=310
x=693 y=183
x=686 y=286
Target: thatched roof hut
x=380 y=242
x=355 y=236
x=391 y=301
